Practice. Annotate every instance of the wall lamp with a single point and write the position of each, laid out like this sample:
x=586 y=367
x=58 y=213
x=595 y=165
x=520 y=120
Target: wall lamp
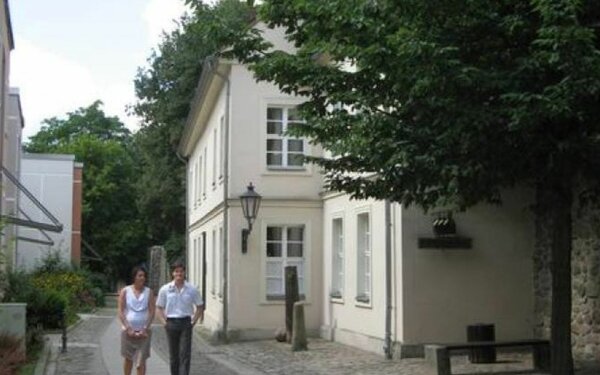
x=250 y=205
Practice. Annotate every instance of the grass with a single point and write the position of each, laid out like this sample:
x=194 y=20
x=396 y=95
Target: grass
x=28 y=368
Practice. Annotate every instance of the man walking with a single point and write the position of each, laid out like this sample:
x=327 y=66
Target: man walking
x=179 y=306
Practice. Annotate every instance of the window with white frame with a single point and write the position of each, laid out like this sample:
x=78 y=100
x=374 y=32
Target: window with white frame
x=198 y=263
x=221 y=262
x=198 y=180
x=192 y=260
x=215 y=266
x=285 y=247
x=192 y=186
x=221 y=147
x=363 y=252
x=284 y=151
x=204 y=173
x=337 y=253
x=215 y=171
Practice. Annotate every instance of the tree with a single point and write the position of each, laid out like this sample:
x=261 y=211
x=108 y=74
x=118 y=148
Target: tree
x=447 y=103
x=165 y=90
x=110 y=220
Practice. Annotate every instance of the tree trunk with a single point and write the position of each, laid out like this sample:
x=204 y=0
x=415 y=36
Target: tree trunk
x=559 y=203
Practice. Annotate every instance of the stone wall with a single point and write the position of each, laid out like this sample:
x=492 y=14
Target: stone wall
x=586 y=283
x=157 y=267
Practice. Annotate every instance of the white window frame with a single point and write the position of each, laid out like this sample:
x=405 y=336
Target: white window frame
x=199 y=180
x=222 y=148
x=214 y=264
x=364 y=288
x=192 y=186
x=221 y=262
x=215 y=161
x=204 y=172
x=264 y=299
x=280 y=102
x=338 y=258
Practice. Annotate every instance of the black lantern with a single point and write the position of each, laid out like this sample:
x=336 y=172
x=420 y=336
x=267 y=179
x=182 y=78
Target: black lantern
x=250 y=205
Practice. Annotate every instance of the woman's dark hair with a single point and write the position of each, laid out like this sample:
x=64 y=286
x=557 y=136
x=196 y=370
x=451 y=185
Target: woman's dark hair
x=177 y=264
x=135 y=271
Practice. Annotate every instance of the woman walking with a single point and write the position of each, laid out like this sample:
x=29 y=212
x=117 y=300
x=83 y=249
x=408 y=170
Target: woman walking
x=136 y=312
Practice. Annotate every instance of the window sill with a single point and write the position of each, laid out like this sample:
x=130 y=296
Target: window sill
x=284 y=171
x=280 y=300
x=338 y=300
x=363 y=301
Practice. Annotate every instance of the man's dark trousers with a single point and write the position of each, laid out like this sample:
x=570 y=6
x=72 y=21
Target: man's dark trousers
x=179 y=335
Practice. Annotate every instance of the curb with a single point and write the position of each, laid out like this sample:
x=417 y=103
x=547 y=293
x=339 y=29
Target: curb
x=42 y=361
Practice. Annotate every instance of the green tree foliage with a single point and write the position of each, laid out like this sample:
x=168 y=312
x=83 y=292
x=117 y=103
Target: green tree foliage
x=448 y=103
x=110 y=223
x=164 y=90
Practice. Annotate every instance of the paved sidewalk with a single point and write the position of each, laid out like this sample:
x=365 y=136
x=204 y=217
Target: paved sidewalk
x=111 y=353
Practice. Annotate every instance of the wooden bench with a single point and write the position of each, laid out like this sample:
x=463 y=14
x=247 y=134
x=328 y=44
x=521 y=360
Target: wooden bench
x=438 y=356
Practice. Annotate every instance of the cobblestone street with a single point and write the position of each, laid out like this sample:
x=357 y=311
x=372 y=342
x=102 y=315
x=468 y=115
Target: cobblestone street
x=92 y=350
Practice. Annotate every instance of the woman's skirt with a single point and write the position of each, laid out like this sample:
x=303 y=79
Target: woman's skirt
x=134 y=348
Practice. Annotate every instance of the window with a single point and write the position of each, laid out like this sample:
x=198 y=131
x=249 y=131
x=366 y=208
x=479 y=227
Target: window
x=192 y=186
x=199 y=179
x=215 y=266
x=221 y=262
x=337 y=252
x=285 y=247
x=363 y=251
x=215 y=171
x=204 y=175
x=197 y=182
x=283 y=151
x=222 y=145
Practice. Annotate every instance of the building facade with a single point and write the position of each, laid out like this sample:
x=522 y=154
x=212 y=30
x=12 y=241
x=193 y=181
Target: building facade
x=12 y=163
x=342 y=248
x=55 y=181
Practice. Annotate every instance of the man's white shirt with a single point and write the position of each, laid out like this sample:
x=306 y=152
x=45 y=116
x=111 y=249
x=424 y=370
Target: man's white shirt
x=178 y=303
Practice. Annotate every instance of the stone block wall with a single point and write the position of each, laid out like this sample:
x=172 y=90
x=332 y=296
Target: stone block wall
x=586 y=283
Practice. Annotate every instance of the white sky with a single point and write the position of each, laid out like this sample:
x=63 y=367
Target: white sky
x=69 y=53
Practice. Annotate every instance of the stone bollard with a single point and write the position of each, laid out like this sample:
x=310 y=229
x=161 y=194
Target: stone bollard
x=299 y=331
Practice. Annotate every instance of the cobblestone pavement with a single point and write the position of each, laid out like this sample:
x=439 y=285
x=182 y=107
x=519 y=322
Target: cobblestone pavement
x=84 y=354
x=201 y=362
x=325 y=357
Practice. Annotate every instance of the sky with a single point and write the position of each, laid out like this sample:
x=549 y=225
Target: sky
x=69 y=53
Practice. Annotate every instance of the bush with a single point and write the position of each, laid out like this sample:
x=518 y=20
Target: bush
x=11 y=355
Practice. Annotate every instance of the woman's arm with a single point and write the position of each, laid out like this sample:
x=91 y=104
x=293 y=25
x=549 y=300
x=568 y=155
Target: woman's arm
x=121 y=309
x=151 y=310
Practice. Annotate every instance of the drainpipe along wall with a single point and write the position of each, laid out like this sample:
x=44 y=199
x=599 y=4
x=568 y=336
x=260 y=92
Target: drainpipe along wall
x=187 y=213
x=388 y=281
x=225 y=162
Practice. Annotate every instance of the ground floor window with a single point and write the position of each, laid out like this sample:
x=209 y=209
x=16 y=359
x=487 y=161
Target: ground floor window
x=284 y=247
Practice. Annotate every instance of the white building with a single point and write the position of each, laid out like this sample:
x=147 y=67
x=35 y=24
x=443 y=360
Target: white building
x=54 y=180
x=11 y=161
x=233 y=137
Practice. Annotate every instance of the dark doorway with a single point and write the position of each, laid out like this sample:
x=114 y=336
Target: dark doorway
x=204 y=268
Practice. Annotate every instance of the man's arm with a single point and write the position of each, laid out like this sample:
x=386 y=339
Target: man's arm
x=199 y=314
x=161 y=302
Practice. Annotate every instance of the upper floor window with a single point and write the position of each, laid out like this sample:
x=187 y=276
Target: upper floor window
x=284 y=151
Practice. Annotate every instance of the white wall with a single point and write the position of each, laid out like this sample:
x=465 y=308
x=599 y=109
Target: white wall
x=248 y=143
x=50 y=179
x=346 y=320
x=445 y=290
x=250 y=312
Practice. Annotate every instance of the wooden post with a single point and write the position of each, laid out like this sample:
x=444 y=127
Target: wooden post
x=291 y=296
